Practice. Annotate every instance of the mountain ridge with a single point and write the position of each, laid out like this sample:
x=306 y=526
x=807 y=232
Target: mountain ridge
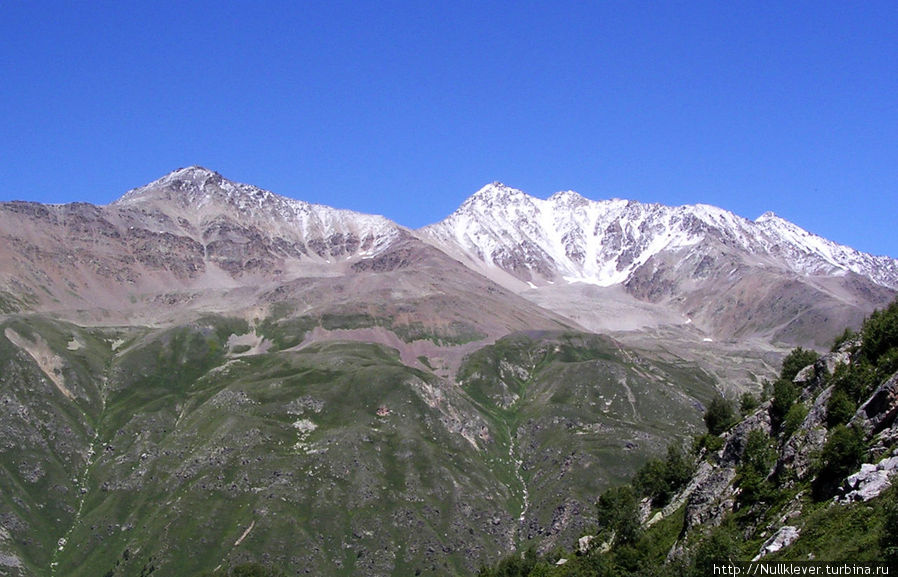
x=694 y=266
x=767 y=232
x=206 y=373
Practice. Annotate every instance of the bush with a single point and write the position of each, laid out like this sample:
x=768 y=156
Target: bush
x=748 y=403
x=719 y=416
x=679 y=467
x=757 y=460
x=514 y=565
x=846 y=336
x=841 y=455
x=839 y=408
x=708 y=442
x=888 y=538
x=796 y=360
x=618 y=511
x=717 y=550
x=793 y=419
x=650 y=481
x=660 y=480
x=880 y=333
x=784 y=395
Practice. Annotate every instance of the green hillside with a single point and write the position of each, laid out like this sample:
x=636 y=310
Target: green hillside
x=184 y=450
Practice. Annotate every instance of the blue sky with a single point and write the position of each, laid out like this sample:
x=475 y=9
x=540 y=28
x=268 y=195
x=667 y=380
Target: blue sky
x=406 y=108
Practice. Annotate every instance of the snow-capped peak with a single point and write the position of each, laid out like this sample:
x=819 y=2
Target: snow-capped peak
x=568 y=197
x=493 y=194
x=568 y=237
x=769 y=215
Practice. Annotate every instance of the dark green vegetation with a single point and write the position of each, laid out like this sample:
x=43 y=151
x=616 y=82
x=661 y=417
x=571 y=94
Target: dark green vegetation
x=719 y=416
x=765 y=493
x=660 y=479
x=855 y=533
x=138 y=451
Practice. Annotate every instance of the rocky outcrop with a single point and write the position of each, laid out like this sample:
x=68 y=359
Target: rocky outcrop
x=880 y=410
x=783 y=538
x=737 y=437
x=797 y=453
x=814 y=377
x=711 y=500
x=870 y=481
x=711 y=494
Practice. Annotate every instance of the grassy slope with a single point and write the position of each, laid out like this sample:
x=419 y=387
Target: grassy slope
x=202 y=458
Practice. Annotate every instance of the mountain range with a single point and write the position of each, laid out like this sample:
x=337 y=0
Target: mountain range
x=698 y=265
x=204 y=372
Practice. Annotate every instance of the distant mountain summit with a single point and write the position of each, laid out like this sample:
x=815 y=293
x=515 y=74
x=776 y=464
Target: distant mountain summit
x=732 y=277
x=201 y=196
x=612 y=265
x=570 y=238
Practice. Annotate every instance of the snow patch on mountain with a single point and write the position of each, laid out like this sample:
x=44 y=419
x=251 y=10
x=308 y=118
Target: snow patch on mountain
x=813 y=254
x=204 y=193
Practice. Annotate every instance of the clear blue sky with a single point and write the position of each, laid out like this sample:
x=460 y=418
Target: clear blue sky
x=406 y=108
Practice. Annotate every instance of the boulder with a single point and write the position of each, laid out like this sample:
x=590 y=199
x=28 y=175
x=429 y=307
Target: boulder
x=781 y=539
x=870 y=481
x=583 y=544
x=880 y=409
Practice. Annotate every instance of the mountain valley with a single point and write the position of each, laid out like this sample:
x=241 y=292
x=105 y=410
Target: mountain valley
x=203 y=373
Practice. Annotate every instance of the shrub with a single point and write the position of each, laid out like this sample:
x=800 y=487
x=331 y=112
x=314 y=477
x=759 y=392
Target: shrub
x=888 y=538
x=679 y=467
x=841 y=455
x=618 y=511
x=748 y=403
x=784 y=395
x=880 y=332
x=660 y=480
x=766 y=391
x=839 y=408
x=793 y=419
x=650 y=481
x=796 y=360
x=719 y=416
x=718 y=549
x=846 y=336
x=757 y=459
x=708 y=442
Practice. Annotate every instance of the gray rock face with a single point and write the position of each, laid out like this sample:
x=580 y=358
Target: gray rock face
x=710 y=493
x=870 y=481
x=783 y=538
x=711 y=500
x=814 y=377
x=738 y=436
x=797 y=453
x=880 y=409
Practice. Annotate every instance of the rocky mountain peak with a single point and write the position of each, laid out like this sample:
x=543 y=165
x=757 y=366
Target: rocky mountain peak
x=199 y=193
x=196 y=187
x=567 y=198
x=768 y=216
x=495 y=194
